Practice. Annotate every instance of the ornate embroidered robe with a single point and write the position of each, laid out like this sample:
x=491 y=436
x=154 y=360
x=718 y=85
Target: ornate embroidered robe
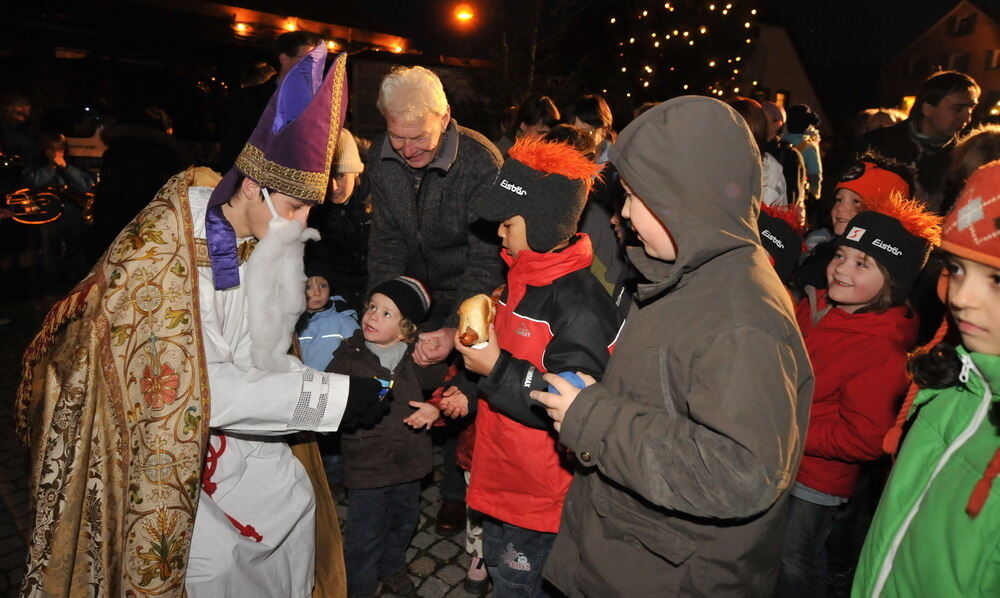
x=119 y=393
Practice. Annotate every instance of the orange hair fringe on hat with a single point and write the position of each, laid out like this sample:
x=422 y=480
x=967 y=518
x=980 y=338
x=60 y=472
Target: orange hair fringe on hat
x=556 y=158
x=790 y=215
x=912 y=214
x=917 y=221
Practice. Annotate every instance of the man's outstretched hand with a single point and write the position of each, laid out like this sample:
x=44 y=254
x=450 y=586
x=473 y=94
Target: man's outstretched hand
x=434 y=347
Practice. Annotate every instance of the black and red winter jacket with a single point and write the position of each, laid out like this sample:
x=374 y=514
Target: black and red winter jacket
x=553 y=316
x=859 y=361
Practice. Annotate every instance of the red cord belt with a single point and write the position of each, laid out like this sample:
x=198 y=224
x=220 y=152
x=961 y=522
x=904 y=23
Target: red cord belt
x=211 y=462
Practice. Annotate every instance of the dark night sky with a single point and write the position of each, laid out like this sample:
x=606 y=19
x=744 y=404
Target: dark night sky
x=842 y=42
x=828 y=32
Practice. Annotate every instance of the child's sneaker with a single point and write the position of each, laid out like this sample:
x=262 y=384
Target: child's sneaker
x=477 y=580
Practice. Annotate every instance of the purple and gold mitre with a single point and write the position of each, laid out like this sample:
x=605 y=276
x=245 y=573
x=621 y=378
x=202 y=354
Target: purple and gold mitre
x=292 y=147
x=290 y=150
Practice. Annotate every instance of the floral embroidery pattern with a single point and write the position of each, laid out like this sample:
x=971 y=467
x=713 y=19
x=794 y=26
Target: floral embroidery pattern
x=126 y=387
x=159 y=389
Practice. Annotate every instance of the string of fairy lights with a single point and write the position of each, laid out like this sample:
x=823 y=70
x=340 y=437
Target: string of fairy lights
x=680 y=46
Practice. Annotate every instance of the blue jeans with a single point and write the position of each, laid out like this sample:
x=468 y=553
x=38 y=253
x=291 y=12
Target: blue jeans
x=804 y=555
x=380 y=524
x=515 y=558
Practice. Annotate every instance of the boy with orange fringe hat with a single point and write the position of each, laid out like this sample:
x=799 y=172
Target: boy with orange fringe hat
x=552 y=316
x=937 y=528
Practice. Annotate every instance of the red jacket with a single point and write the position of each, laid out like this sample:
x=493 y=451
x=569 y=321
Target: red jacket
x=553 y=316
x=859 y=361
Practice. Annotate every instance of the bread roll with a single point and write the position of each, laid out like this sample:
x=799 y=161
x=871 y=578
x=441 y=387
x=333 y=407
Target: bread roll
x=475 y=315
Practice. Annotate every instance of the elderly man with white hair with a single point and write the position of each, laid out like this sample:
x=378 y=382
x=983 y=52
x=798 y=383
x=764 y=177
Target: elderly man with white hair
x=424 y=173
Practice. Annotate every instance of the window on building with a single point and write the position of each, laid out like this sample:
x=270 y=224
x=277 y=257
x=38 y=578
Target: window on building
x=962 y=25
x=959 y=61
x=781 y=98
x=993 y=59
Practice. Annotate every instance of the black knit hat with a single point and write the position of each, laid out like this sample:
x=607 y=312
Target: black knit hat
x=546 y=183
x=900 y=252
x=781 y=239
x=317 y=267
x=800 y=117
x=410 y=296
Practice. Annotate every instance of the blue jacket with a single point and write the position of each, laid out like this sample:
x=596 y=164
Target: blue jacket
x=323 y=332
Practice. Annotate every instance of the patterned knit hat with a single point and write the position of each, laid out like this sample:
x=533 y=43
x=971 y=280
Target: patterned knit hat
x=971 y=231
x=972 y=227
x=545 y=182
x=410 y=296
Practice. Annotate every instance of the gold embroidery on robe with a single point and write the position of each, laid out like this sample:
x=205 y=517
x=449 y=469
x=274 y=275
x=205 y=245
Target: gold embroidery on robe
x=114 y=404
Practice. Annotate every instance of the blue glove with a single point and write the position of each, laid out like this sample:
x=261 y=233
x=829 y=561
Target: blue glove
x=368 y=400
x=570 y=377
x=386 y=387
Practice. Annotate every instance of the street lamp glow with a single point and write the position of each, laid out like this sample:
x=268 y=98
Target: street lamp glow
x=463 y=13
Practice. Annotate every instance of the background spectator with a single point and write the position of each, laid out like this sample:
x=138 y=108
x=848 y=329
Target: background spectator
x=792 y=163
x=424 y=172
x=977 y=147
x=773 y=192
x=535 y=116
x=246 y=104
x=142 y=154
x=804 y=136
x=925 y=140
x=344 y=221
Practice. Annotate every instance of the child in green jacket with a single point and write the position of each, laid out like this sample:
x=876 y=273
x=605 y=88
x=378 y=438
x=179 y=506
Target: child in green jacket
x=937 y=528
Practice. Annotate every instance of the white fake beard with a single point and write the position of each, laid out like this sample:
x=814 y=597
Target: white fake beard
x=275 y=279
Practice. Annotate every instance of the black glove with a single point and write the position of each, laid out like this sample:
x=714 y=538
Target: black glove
x=367 y=403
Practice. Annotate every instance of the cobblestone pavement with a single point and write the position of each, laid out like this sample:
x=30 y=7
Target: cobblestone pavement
x=437 y=565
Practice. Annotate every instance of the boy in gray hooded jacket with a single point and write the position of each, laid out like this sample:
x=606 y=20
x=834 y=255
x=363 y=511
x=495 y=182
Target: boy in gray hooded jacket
x=690 y=443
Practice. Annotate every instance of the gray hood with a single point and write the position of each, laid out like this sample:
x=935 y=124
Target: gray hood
x=694 y=162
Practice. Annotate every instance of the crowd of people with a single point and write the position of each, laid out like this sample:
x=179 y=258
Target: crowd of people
x=712 y=371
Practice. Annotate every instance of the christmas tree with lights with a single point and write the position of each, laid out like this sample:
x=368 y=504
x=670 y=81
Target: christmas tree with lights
x=678 y=47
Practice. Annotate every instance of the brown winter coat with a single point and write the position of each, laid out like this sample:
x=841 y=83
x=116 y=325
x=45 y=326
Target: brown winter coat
x=692 y=439
x=391 y=452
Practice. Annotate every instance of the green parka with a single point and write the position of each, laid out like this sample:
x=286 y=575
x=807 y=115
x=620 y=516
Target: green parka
x=923 y=542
